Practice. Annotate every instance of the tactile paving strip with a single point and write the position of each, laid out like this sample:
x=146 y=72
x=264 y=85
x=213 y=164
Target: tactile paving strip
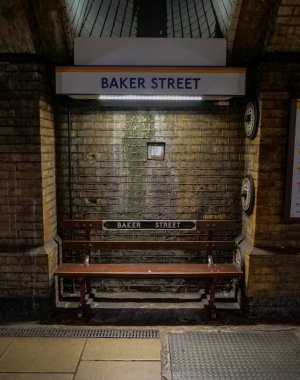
x=77 y=333
x=228 y=356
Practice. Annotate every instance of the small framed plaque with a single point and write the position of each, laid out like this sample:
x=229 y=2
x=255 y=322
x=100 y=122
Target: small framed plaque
x=156 y=151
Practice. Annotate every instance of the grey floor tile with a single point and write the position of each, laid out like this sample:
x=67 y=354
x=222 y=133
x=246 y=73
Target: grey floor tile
x=123 y=370
x=42 y=355
x=36 y=376
x=4 y=343
x=122 y=349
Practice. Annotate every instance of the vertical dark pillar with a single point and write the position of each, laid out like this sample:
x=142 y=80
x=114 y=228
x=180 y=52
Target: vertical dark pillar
x=151 y=18
x=28 y=248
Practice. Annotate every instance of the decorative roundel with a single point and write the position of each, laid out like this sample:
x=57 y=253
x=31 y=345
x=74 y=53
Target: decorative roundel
x=239 y=259
x=251 y=119
x=247 y=194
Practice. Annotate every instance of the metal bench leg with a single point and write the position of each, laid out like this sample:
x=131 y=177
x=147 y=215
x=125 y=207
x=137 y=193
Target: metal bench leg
x=82 y=303
x=212 y=292
x=207 y=287
x=88 y=287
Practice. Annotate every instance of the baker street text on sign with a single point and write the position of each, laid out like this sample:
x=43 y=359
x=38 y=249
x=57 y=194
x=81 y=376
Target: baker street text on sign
x=149 y=224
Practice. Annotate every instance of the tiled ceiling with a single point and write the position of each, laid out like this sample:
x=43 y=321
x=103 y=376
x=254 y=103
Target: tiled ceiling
x=252 y=28
x=144 y=18
x=191 y=18
x=99 y=18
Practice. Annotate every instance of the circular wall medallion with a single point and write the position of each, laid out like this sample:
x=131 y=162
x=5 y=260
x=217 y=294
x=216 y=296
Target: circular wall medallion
x=251 y=119
x=247 y=194
x=239 y=259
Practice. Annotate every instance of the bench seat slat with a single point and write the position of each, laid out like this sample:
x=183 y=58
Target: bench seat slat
x=147 y=244
x=141 y=270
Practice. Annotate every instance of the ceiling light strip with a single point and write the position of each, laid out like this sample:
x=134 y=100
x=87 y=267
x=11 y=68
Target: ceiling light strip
x=149 y=97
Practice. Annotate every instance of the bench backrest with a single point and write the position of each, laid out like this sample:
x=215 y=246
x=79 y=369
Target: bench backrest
x=212 y=225
x=209 y=227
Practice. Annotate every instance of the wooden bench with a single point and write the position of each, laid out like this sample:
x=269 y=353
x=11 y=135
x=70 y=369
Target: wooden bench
x=210 y=271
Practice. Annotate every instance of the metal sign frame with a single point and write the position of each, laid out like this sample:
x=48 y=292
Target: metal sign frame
x=149 y=225
x=292 y=198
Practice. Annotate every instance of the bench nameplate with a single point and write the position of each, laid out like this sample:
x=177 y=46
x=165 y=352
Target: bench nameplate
x=149 y=225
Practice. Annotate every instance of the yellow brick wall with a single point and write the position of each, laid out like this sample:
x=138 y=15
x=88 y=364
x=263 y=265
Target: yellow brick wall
x=112 y=178
x=266 y=159
x=272 y=274
x=28 y=251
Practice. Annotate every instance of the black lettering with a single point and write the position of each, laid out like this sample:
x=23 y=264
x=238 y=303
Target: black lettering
x=141 y=83
x=104 y=82
x=162 y=82
x=188 y=84
x=196 y=81
x=180 y=83
x=114 y=83
x=154 y=83
x=171 y=83
x=123 y=82
x=132 y=82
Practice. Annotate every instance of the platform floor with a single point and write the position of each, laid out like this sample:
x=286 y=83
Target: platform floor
x=41 y=352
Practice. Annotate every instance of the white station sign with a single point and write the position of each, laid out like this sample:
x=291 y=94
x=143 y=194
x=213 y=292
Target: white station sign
x=172 y=81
